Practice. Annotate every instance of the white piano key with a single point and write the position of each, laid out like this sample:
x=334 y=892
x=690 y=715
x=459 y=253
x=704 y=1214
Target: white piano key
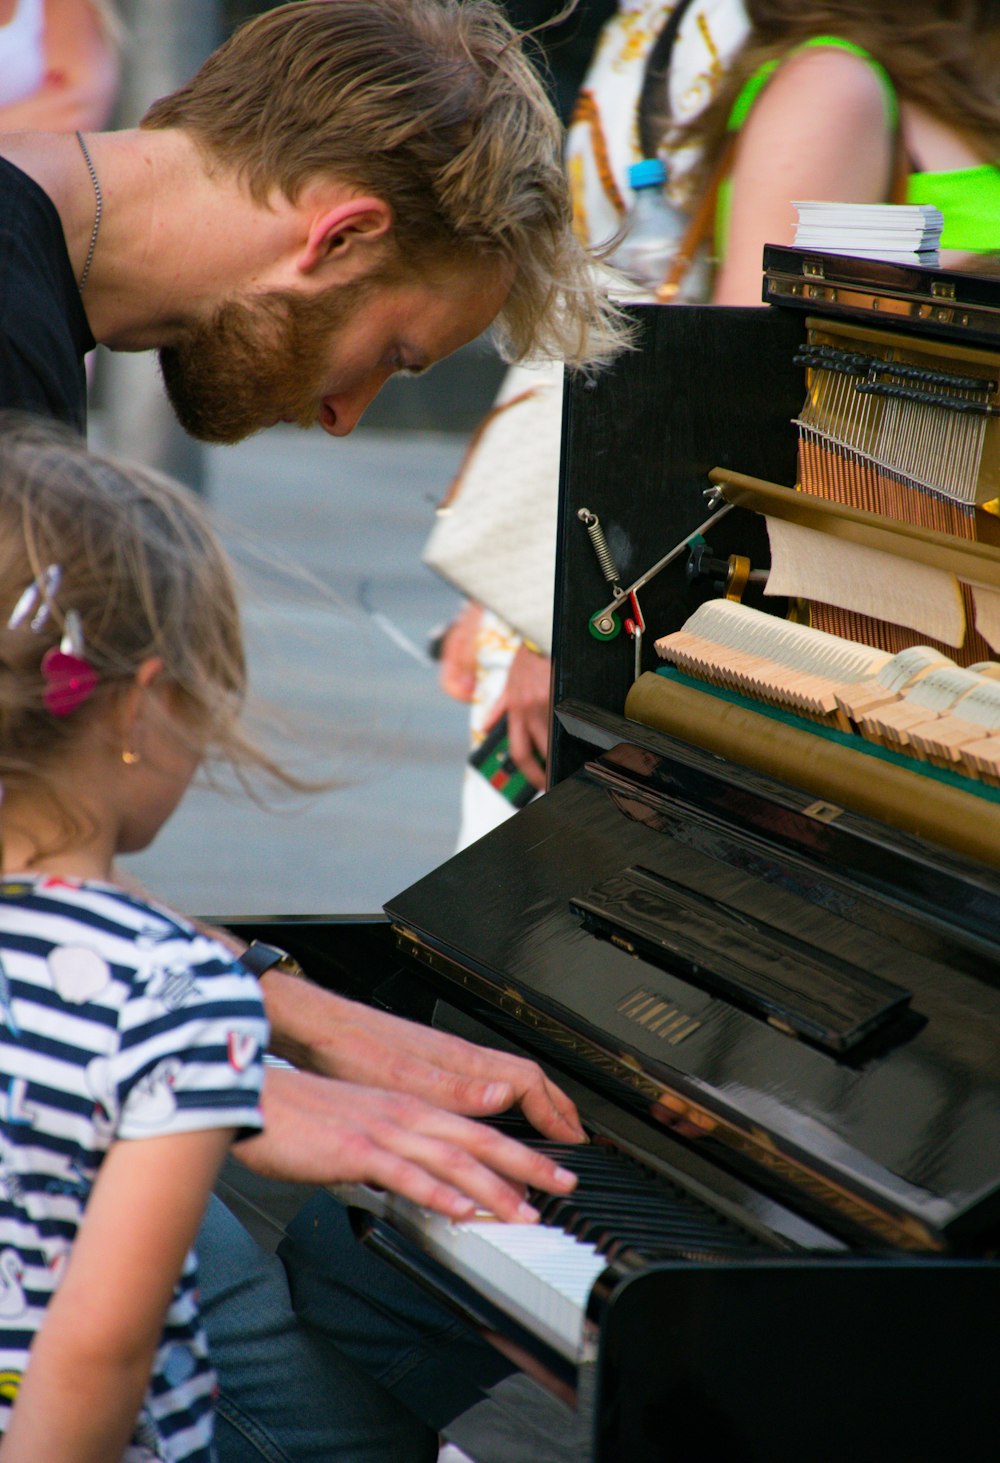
x=538 y=1275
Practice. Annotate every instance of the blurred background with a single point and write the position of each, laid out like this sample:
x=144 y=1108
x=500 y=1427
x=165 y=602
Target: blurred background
x=329 y=533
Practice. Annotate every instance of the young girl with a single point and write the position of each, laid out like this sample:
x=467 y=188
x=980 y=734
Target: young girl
x=130 y=1044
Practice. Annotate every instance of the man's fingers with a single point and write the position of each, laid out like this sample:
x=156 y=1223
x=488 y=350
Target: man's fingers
x=545 y=1105
x=549 y=1110
x=447 y=1163
x=473 y=1160
x=400 y=1176
x=380 y=1050
x=319 y=1130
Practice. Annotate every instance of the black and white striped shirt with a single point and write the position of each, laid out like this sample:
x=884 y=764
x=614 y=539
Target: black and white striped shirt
x=118 y=1021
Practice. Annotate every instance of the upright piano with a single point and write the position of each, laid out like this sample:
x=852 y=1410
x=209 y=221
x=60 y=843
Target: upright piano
x=755 y=934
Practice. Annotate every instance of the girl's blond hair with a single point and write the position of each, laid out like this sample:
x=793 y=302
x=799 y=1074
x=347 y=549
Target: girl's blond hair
x=140 y=565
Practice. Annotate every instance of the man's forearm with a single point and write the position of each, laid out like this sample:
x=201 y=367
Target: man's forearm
x=300 y=1014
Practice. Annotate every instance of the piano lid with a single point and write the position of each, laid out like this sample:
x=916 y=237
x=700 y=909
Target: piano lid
x=950 y=304
x=685 y=930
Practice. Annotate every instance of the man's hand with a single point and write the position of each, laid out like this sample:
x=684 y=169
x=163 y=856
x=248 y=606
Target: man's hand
x=322 y=1131
x=525 y=699
x=334 y=1037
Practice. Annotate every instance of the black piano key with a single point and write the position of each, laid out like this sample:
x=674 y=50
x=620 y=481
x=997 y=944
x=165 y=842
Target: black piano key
x=586 y=1226
x=648 y=1239
x=646 y=1214
x=623 y=1207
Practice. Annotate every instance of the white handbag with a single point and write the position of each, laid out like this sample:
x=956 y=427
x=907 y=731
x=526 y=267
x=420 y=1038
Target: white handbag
x=494 y=538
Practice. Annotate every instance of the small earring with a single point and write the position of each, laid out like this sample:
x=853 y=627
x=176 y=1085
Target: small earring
x=129 y=757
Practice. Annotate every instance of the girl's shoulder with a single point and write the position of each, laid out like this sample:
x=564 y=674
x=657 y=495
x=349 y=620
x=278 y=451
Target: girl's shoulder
x=131 y=932
x=92 y=901
x=825 y=72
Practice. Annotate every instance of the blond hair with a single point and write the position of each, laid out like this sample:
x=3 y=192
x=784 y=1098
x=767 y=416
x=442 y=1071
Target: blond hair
x=141 y=566
x=434 y=107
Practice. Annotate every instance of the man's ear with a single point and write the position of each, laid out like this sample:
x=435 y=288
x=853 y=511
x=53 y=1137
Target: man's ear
x=343 y=229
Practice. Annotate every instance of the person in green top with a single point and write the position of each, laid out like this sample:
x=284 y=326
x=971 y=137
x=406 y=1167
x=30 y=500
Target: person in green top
x=826 y=101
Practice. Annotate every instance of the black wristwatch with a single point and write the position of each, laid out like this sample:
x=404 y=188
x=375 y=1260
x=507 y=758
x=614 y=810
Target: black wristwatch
x=259 y=958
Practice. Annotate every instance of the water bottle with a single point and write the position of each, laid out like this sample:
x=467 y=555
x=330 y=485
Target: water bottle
x=655 y=227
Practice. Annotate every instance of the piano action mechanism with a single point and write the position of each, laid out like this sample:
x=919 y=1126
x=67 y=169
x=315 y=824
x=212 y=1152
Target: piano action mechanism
x=755 y=924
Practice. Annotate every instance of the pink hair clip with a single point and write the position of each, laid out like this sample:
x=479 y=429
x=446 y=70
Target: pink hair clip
x=69 y=676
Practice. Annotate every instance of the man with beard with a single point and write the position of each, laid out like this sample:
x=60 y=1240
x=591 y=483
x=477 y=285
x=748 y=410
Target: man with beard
x=344 y=190
x=289 y=232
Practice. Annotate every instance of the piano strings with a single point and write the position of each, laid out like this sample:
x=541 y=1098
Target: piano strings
x=907 y=434
x=896 y=430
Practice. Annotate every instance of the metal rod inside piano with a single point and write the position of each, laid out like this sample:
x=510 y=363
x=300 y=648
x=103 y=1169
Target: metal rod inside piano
x=714 y=495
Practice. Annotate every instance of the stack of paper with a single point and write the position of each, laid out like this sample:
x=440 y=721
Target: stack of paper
x=903 y=233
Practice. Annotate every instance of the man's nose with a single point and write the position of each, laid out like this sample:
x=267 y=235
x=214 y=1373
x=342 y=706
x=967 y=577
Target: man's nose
x=341 y=411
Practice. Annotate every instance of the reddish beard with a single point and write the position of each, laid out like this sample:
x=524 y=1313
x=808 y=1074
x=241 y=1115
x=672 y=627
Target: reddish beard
x=257 y=361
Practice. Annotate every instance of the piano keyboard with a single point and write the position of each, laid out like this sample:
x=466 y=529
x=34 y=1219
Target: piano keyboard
x=541 y=1275
x=537 y=1275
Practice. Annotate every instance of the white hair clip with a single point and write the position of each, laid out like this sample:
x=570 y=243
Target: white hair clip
x=36 y=600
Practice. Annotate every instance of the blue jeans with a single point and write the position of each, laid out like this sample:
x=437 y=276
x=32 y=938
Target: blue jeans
x=397 y=1333
x=287 y=1394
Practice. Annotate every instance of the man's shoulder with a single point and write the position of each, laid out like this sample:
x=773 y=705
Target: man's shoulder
x=44 y=334
x=30 y=226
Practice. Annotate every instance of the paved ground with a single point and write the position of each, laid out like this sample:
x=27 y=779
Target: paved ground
x=344 y=656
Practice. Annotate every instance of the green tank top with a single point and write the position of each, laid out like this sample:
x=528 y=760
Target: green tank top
x=969 y=198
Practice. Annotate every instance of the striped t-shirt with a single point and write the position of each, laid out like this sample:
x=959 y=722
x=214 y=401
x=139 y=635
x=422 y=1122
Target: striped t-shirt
x=117 y=1021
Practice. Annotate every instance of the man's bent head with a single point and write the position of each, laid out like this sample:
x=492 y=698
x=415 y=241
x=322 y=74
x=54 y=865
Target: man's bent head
x=284 y=357
x=430 y=105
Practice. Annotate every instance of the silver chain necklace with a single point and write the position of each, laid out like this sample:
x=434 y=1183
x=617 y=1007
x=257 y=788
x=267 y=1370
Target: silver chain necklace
x=97 y=215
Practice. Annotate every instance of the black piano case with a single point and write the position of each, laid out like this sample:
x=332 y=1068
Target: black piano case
x=797 y=1003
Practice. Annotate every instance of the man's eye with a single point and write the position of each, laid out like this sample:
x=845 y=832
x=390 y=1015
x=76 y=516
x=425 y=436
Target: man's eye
x=397 y=362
